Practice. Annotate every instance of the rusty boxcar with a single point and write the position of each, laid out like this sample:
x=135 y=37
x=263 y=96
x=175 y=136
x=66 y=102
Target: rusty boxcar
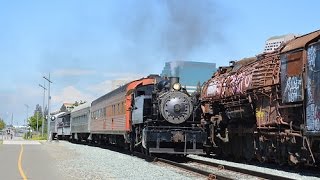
x=267 y=107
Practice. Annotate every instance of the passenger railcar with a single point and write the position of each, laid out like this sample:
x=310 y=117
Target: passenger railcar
x=63 y=126
x=267 y=107
x=53 y=124
x=80 y=121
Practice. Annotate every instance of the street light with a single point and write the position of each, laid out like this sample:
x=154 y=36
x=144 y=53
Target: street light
x=44 y=95
x=49 y=97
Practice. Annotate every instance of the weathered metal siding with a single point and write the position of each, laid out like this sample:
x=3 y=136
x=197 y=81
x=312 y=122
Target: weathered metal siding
x=313 y=88
x=291 y=76
x=80 y=119
x=112 y=121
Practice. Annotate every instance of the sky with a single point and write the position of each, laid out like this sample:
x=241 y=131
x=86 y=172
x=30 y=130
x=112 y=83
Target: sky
x=84 y=45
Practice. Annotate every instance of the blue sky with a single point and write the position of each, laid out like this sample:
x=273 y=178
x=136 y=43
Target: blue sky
x=86 y=44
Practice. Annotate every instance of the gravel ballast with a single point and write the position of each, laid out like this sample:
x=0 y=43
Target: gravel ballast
x=256 y=168
x=86 y=162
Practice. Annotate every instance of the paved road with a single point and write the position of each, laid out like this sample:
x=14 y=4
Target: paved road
x=35 y=162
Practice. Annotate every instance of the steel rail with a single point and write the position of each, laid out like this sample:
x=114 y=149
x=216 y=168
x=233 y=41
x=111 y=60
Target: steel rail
x=210 y=175
x=241 y=170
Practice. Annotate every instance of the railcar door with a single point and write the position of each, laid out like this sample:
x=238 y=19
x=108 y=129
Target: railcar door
x=313 y=89
x=291 y=76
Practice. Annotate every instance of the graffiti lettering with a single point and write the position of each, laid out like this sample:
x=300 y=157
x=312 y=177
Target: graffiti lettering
x=311 y=57
x=247 y=80
x=293 y=89
x=213 y=89
x=313 y=117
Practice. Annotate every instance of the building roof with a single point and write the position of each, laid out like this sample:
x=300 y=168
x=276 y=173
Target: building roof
x=276 y=37
x=301 y=41
x=279 y=37
x=179 y=62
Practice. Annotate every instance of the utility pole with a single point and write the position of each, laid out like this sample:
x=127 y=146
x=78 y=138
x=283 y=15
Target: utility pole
x=37 y=121
x=27 y=114
x=12 y=119
x=49 y=97
x=44 y=97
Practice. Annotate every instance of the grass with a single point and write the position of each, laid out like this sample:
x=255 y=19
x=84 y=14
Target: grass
x=35 y=137
x=1 y=141
x=39 y=137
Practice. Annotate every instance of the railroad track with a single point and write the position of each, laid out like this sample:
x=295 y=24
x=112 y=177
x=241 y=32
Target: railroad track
x=208 y=174
x=239 y=170
x=213 y=170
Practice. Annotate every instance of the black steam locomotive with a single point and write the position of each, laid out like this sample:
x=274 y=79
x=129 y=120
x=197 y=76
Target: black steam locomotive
x=165 y=121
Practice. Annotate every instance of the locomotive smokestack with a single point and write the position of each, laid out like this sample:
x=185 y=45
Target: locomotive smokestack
x=174 y=80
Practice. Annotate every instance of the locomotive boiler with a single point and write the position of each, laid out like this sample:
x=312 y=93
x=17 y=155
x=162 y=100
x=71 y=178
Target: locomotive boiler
x=164 y=119
x=266 y=107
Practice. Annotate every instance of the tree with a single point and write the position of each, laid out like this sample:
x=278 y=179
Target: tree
x=2 y=124
x=37 y=116
x=33 y=121
x=38 y=109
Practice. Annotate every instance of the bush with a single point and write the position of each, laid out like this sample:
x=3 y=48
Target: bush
x=27 y=135
x=39 y=137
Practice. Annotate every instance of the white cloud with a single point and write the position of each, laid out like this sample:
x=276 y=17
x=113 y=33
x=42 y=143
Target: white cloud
x=123 y=76
x=101 y=88
x=108 y=85
x=70 y=94
x=72 y=72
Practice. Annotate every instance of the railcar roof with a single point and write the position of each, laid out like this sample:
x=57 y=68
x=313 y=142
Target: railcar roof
x=243 y=62
x=110 y=94
x=81 y=106
x=300 y=42
x=58 y=114
x=64 y=114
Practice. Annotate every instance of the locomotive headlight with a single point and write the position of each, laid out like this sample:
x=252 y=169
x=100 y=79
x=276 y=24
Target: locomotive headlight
x=176 y=86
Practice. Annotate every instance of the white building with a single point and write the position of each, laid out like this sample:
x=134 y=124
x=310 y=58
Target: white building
x=274 y=42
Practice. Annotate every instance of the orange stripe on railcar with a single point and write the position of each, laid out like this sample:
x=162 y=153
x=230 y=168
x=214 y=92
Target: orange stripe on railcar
x=130 y=88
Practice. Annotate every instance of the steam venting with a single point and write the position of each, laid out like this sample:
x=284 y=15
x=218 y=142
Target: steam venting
x=176 y=28
x=174 y=68
x=191 y=24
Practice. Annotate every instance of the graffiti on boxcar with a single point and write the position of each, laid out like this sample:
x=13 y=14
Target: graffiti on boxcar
x=313 y=111
x=309 y=91
x=311 y=58
x=293 y=89
x=240 y=82
x=213 y=89
x=247 y=80
x=313 y=117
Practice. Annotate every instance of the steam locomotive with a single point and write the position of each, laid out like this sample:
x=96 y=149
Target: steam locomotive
x=152 y=115
x=267 y=107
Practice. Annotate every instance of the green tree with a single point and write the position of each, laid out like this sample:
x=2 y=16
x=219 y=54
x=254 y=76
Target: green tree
x=36 y=117
x=2 y=124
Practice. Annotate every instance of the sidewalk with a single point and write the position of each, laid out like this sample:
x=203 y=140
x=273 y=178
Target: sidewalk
x=19 y=140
